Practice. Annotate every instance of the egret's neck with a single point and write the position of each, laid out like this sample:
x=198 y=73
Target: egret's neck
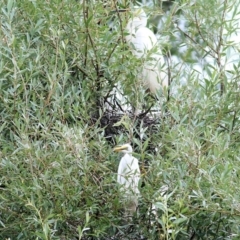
x=135 y=23
x=138 y=19
x=127 y=152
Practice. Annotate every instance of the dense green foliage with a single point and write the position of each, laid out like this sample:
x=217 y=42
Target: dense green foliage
x=60 y=63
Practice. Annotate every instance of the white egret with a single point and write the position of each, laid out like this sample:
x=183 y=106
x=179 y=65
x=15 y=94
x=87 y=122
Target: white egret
x=143 y=41
x=128 y=177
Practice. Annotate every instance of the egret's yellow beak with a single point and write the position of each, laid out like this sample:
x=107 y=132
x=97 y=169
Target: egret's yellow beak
x=120 y=148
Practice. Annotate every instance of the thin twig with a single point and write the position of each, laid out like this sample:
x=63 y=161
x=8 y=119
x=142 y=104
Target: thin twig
x=220 y=43
x=85 y=15
x=169 y=73
x=120 y=21
x=201 y=35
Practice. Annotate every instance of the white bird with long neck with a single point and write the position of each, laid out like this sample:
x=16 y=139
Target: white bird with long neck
x=143 y=41
x=128 y=177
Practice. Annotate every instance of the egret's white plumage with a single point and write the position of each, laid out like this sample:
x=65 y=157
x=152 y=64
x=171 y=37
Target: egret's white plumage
x=128 y=177
x=143 y=40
